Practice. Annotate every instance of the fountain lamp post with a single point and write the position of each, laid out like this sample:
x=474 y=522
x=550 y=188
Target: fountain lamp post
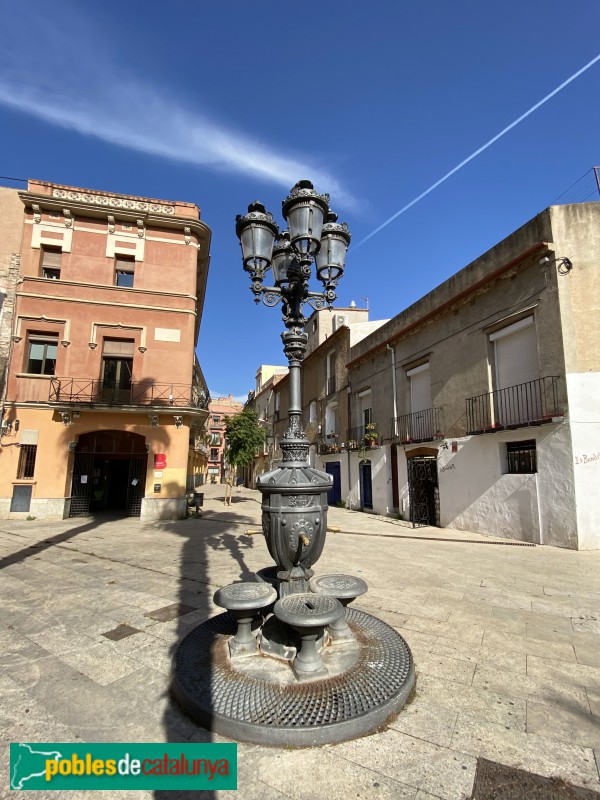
x=294 y=495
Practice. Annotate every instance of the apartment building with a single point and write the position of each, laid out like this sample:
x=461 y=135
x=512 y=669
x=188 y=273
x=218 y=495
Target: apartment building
x=219 y=409
x=484 y=392
x=105 y=398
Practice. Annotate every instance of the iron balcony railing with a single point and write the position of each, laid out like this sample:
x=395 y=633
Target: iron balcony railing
x=420 y=426
x=329 y=443
x=140 y=393
x=531 y=403
x=363 y=436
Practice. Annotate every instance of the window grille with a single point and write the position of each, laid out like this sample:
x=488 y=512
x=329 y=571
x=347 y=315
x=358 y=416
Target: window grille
x=521 y=457
x=27 y=453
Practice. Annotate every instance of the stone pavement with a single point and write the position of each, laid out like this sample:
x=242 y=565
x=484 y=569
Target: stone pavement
x=506 y=642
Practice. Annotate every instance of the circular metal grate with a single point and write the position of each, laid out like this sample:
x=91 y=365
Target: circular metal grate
x=240 y=706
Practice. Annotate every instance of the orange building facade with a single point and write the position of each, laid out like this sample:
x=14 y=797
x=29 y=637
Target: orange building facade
x=105 y=399
x=220 y=409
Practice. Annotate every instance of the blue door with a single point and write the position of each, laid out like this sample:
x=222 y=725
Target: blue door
x=335 y=493
x=366 y=486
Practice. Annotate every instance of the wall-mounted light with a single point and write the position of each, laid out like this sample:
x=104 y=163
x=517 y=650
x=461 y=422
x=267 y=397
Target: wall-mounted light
x=178 y=421
x=563 y=265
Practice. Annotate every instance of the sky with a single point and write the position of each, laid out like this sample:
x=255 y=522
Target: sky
x=437 y=128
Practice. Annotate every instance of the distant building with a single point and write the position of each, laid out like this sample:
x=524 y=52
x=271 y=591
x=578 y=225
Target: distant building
x=105 y=397
x=219 y=409
x=265 y=403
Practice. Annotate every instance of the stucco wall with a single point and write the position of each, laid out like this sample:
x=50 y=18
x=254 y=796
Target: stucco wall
x=584 y=394
x=477 y=494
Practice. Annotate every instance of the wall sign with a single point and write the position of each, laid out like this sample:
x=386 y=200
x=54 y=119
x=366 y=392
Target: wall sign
x=160 y=460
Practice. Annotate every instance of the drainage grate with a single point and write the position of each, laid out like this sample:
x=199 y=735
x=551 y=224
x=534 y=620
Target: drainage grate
x=120 y=632
x=167 y=613
x=334 y=709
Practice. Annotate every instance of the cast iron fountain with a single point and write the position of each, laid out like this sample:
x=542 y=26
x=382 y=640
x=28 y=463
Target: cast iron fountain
x=289 y=662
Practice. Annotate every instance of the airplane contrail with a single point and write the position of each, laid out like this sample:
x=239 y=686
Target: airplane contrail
x=480 y=149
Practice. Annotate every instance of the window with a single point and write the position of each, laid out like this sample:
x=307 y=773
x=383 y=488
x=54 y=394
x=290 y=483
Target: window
x=330 y=366
x=42 y=350
x=521 y=457
x=26 y=467
x=518 y=398
x=420 y=388
x=420 y=424
x=312 y=411
x=214 y=454
x=117 y=369
x=51 y=263
x=124 y=271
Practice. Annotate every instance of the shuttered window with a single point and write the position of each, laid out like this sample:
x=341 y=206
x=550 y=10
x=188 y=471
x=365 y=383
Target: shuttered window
x=516 y=354
x=124 y=271
x=118 y=347
x=420 y=388
x=51 y=263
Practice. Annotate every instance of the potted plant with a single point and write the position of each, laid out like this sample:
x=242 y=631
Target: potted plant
x=371 y=437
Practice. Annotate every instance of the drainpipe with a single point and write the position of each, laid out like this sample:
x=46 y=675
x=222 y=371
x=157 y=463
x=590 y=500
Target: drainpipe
x=394 y=406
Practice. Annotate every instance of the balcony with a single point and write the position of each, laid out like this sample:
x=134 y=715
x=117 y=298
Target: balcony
x=140 y=393
x=420 y=426
x=363 y=437
x=329 y=444
x=532 y=403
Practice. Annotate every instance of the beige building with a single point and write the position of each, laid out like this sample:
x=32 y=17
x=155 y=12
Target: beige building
x=105 y=398
x=485 y=392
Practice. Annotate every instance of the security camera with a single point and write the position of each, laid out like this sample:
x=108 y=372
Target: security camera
x=544 y=260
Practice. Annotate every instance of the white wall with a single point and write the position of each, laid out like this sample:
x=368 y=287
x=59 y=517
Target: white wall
x=584 y=392
x=477 y=495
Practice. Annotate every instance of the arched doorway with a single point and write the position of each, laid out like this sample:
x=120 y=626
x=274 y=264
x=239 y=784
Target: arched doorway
x=109 y=473
x=366 y=484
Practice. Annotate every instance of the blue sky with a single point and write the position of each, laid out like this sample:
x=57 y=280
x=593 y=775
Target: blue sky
x=222 y=103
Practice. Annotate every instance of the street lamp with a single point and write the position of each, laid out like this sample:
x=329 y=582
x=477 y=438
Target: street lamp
x=295 y=494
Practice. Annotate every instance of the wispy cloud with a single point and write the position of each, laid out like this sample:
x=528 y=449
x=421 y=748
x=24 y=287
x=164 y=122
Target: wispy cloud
x=97 y=99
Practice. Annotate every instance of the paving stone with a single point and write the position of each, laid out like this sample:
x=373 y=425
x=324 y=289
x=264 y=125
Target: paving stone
x=575 y=674
x=594 y=698
x=473 y=700
x=588 y=654
x=331 y=776
x=488 y=656
x=100 y=663
x=424 y=721
x=538 y=754
x=442 y=666
x=565 y=723
x=471 y=634
x=59 y=640
x=530 y=646
x=528 y=686
x=423 y=765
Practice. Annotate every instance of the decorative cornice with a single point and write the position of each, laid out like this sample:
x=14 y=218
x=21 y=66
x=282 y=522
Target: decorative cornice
x=127 y=204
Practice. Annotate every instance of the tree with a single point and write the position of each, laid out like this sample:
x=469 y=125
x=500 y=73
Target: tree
x=244 y=437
